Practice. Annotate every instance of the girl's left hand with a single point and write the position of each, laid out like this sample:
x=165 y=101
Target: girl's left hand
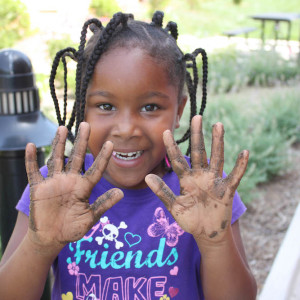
x=204 y=206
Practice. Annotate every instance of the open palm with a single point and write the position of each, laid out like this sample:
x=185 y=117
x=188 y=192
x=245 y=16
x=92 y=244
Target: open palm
x=59 y=204
x=204 y=206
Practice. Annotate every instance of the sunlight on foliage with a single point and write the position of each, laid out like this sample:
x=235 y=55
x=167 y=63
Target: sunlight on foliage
x=14 y=22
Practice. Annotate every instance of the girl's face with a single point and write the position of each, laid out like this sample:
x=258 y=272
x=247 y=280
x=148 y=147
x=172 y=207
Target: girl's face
x=131 y=103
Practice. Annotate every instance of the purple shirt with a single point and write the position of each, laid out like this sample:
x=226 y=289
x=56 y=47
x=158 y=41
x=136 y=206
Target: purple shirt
x=135 y=251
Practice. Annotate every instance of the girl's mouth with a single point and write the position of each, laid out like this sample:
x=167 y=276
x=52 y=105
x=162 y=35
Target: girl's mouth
x=127 y=155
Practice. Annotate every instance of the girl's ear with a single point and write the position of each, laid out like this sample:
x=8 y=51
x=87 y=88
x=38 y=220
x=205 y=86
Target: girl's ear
x=181 y=107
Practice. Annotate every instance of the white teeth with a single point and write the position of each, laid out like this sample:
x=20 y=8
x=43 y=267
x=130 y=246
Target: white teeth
x=127 y=155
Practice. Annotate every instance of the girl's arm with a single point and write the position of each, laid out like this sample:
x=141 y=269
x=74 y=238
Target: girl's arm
x=225 y=273
x=23 y=268
x=204 y=209
x=60 y=213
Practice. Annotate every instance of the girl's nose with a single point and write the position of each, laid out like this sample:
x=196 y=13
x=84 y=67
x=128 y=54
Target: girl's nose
x=126 y=126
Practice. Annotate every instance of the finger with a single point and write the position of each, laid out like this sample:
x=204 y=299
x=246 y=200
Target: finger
x=105 y=202
x=161 y=190
x=239 y=170
x=198 y=153
x=217 y=149
x=33 y=173
x=178 y=162
x=77 y=156
x=94 y=173
x=56 y=161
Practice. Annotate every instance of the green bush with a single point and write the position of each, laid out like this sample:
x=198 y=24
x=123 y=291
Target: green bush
x=104 y=7
x=284 y=110
x=268 y=68
x=231 y=70
x=225 y=71
x=14 y=22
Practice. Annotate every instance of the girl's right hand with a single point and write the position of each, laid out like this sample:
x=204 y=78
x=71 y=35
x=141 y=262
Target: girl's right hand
x=59 y=204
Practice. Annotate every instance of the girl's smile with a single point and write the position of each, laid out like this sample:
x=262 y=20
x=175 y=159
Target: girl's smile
x=131 y=102
x=127 y=155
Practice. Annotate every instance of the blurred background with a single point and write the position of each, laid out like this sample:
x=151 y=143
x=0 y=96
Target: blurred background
x=253 y=88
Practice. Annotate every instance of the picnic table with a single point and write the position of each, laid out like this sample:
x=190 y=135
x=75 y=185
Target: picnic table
x=277 y=18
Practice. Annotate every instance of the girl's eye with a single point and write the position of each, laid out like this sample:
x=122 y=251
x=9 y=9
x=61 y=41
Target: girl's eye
x=150 y=107
x=107 y=107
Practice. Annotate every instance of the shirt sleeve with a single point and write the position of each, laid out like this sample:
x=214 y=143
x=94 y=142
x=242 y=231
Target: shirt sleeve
x=238 y=208
x=24 y=202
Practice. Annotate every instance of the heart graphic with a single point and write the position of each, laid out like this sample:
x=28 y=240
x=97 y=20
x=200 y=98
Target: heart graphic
x=173 y=291
x=174 y=271
x=132 y=239
x=67 y=296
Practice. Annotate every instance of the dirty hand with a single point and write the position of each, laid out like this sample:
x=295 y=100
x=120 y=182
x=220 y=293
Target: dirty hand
x=204 y=206
x=59 y=204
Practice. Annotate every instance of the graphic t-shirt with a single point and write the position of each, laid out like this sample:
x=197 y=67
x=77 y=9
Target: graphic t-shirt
x=136 y=251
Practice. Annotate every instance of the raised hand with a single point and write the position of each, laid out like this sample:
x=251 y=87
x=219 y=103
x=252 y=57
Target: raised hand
x=59 y=204
x=204 y=206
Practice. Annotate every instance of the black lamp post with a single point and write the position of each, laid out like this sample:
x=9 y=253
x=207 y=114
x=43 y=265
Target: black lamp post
x=21 y=121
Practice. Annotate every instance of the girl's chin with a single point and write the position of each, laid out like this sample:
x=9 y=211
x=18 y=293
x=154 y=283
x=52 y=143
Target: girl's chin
x=131 y=178
x=128 y=184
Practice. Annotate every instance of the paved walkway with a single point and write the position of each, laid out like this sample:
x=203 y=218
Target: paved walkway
x=283 y=281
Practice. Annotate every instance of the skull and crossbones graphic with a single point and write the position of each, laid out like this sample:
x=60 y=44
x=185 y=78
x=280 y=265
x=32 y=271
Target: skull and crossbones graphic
x=110 y=233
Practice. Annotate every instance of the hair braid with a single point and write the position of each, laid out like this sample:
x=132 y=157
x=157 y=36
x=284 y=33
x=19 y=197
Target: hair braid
x=173 y=29
x=76 y=109
x=59 y=55
x=204 y=77
x=157 y=19
x=63 y=59
x=192 y=85
x=98 y=50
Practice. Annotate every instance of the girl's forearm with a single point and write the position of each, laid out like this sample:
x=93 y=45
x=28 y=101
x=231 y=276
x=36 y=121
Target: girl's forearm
x=24 y=274
x=224 y=273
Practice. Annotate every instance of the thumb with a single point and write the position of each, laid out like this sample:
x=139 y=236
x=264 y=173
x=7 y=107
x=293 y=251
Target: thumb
x=106 y=201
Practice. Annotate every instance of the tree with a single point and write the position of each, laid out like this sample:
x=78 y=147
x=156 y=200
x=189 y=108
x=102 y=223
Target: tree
x=14 y=22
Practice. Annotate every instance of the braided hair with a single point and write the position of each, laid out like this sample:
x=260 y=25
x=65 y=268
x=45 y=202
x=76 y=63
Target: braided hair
x=123 y=31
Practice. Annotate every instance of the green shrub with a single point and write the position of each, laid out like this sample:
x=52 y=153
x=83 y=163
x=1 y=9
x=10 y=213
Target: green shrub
x=104 y=7
x=226 y=71
x=266 y=144
x=268 y=68
x=284 y=110
x=14 y=22
x=231 y=70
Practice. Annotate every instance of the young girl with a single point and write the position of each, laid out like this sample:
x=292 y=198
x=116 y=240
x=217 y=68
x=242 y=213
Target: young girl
x=105 y=231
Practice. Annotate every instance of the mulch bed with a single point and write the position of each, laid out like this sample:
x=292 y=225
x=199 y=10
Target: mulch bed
x=264 y=225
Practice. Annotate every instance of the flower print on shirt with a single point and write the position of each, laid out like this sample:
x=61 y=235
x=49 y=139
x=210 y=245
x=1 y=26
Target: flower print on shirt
x=73 y=268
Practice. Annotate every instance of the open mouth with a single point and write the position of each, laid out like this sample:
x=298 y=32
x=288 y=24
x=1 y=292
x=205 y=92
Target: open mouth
x=127 y=155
